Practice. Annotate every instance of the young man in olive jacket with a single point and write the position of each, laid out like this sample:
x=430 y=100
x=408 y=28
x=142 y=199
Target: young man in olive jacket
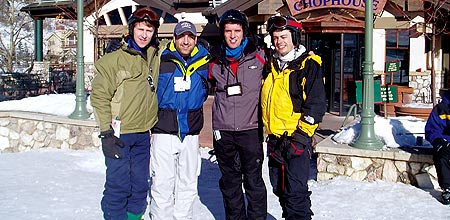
x=237 y=72
x=125 y=107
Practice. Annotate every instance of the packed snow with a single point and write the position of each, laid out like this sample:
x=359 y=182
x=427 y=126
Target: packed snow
x=394 y=132
x=65 y=184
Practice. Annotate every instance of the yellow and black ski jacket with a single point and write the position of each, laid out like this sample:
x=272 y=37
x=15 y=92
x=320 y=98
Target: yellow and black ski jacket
x=293 y=98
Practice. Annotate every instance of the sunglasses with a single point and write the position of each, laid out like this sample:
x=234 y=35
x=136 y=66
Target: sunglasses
x=281 y=22
x=146 y=14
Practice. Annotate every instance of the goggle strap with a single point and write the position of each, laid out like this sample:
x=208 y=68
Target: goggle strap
x=294 y=24
x=283 y=22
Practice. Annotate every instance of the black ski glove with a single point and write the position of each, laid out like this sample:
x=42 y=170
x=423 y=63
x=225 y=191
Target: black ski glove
x=276 y=151
x=110 y=143
x=442 y=148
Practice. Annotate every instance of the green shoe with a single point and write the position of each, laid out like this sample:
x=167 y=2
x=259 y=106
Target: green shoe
x=131 y=216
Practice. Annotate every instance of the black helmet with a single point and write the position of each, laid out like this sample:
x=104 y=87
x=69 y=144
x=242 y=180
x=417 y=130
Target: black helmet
x=233 y=15
x=143 y=14
x=282 y=22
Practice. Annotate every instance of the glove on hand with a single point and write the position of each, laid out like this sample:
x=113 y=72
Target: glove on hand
x=442 y=147
x=110 y=143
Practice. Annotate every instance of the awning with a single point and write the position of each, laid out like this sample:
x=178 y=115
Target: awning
x=240 y=5
x=51 y=10
x=69 y=8
x=333 y=23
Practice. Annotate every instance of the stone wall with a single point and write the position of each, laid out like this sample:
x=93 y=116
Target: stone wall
x=421 y=82
x=22 y=131
x=394 y=165
x=41 y=69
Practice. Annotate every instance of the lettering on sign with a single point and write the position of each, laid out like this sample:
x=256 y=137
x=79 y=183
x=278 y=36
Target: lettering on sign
x=381 y=93
x=388 y=94
x=300 y=6
x=392 y=67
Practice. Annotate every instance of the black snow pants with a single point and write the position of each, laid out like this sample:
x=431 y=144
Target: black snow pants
x=289 y=175
x=443 y=170
x=240 y=156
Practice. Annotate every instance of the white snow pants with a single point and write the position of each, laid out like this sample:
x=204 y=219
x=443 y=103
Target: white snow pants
x=174 y=171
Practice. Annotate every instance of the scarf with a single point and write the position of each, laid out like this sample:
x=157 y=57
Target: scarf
x=292 y=55
x=236 y=52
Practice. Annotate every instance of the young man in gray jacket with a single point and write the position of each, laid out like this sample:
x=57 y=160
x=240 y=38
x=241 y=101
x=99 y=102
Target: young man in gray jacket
x=237 y=73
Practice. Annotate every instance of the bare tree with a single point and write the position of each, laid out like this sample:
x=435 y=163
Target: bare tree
x=437 y=15
x=95 y=6
x=16 y=30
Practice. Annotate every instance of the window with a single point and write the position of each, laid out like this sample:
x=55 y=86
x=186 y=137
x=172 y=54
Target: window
x=397 y=49
x=72 y=40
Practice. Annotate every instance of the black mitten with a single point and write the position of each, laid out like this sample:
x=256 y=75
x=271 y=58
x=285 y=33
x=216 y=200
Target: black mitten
x=276 y=151
x=296 y=145
x=276 y=155
x=110 y=143
x=442 y=148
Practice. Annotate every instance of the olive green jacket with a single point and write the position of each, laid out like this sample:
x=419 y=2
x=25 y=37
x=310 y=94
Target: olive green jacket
x=121 y=89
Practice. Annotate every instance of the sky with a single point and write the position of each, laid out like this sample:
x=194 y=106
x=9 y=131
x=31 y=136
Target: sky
x=65 y=184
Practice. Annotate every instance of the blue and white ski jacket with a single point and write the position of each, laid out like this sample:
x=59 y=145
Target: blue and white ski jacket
x=181 y=112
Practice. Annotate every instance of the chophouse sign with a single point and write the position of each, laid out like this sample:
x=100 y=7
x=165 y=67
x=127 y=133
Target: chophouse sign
x=300 y=6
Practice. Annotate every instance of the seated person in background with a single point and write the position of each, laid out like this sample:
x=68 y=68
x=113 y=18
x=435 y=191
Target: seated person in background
x=437 y=132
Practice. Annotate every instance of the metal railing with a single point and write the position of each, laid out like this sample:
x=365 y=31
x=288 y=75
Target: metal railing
x=16 y=85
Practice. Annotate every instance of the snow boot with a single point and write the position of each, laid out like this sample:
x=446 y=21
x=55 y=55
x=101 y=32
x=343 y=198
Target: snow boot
x=446 y=197
x=132 y=216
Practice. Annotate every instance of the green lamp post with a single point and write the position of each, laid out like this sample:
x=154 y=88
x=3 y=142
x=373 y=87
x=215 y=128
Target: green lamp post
x=367 y=138
x=80 y=111
x=38 y=39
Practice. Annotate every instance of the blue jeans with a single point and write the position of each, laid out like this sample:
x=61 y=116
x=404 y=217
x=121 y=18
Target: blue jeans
x=127 y=179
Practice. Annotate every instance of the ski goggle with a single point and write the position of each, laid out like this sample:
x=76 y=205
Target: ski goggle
x=145 y=14
x=282 y=22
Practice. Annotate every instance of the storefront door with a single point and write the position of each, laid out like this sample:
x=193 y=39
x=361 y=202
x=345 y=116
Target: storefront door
x=340 y=74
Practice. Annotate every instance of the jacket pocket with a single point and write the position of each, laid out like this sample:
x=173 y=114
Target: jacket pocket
x=167 y=122
x=195 y=121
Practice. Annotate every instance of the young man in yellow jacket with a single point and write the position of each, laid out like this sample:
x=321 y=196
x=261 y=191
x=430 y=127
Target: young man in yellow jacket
x=293 y=102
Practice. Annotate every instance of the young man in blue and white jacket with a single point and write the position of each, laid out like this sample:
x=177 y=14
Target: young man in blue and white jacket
x=437 y=132
x=175 y=160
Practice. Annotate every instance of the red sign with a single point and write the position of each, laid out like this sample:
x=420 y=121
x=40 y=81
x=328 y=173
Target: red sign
x=300 y=6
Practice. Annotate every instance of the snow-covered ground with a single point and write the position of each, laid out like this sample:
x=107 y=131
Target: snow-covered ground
x=58 y=184
x=63 y=184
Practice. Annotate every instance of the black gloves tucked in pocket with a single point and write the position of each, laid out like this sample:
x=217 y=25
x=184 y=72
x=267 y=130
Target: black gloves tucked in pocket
x=442 y=148
x=110 y=143
x=288 y=147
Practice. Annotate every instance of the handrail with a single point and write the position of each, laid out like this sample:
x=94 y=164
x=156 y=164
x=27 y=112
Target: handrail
x=354 y=109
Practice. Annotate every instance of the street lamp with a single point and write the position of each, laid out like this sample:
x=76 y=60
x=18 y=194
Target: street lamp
x=80 y=111
x=367 y=138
